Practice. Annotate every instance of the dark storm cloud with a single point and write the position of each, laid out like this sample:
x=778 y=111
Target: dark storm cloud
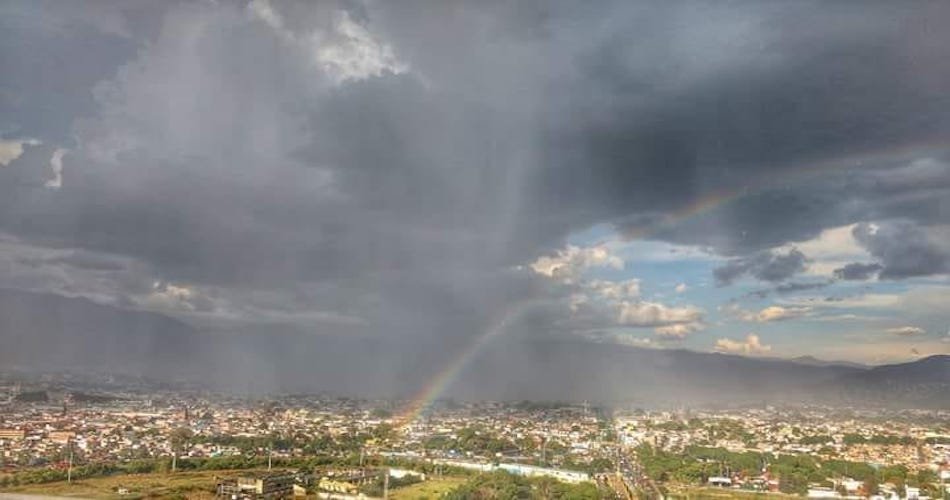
x=765 y=266
x=666 y=104
x=904 y=249
x=53 y=53
x=859 y=271
x=399 y=175
x=639 y=137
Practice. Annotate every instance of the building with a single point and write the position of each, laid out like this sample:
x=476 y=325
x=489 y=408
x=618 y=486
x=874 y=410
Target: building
x=12 y=433
x=338 y=486
x=852 y=486
x=822 y=493
x=567 y=476
x=401 y=473
x=252 y=486
x=723 y=482
x=348 y=482
x=61 y=437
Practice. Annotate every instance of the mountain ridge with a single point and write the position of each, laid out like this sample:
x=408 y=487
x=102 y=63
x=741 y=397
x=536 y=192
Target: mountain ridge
x=61 y=332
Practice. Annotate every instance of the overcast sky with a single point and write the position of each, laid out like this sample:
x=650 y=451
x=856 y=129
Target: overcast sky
x=763 y=178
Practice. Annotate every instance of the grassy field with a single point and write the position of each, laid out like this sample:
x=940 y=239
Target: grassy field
x=720 y=494
x=196 y=485
x=431 y=489
x=192 y=485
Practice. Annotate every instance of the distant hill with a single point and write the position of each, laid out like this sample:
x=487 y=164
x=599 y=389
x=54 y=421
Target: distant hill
x=32 y=397
x=82 y=397
x=48 y=332
x=926 y=380
x=929 y=370
x=813 y=361
x=45 y=331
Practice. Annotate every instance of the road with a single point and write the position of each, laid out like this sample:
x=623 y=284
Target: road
x=633 y=477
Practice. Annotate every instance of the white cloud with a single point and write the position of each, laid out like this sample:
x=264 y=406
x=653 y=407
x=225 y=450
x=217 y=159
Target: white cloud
x=577 y=300
x=668 y=322
x=355 y=54
x=844 y=317
x=751 y=345
x=616 y=290
x=169 y=296
x=263 y=10
x=768 y=314
x=680 y=288
x=833 y=248
x=836 y=243
x=678 y=331
x=11 y=150
x=906 y=331
x=569 y=263
x=609 y=303
x=651 y=314
x=622 y=339
x=346 y=52
x=56 y=163
x=778 y=313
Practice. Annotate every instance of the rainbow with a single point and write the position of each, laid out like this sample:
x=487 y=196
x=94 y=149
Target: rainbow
x=431 y=392
x=798 y=172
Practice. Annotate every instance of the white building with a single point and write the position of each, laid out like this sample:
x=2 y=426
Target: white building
x=822 y=493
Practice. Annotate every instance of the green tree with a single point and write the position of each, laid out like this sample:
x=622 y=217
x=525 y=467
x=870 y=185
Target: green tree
x=871 y=483
x=178 y=439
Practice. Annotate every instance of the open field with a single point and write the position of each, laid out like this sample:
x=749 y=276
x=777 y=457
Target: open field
x=431 y=489
x=196 y=485
x=192 y=485
x=721 y=494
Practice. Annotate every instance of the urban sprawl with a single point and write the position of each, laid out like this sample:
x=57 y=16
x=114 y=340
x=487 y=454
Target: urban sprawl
x=334 y=447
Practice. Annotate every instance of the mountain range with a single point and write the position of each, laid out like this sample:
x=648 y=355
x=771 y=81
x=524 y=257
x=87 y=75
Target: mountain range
x=51 y=332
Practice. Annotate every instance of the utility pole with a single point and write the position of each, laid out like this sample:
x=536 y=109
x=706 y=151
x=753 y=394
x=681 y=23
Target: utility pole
x=386 y=484
x=438 y=465
x=69 y=469
x=544 y=451
x=943 y=484
x=270 y=450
